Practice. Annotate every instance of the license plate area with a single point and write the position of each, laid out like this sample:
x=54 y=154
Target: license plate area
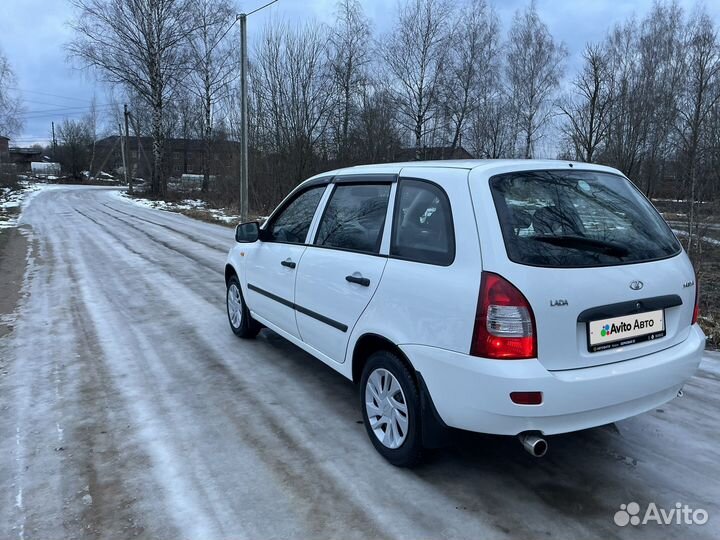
x=614 y=332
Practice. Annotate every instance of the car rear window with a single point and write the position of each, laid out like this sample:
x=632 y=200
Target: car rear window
x=564 y=219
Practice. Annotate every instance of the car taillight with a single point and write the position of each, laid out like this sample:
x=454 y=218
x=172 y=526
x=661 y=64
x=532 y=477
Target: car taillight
x=696 y=309
x=504 y=322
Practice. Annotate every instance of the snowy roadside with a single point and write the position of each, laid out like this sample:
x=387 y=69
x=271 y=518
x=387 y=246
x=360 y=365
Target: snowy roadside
x=14 y=199
x=194 y=208
x=707 y=239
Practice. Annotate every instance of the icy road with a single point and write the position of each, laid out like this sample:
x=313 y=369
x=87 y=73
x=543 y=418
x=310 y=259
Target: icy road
x=128 y=408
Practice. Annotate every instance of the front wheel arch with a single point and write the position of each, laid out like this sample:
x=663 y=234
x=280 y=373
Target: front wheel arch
x=230 y=272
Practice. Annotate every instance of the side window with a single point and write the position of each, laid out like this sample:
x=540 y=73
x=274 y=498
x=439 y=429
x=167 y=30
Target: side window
x=355 y=217
x=422 y=228
x=293 y=223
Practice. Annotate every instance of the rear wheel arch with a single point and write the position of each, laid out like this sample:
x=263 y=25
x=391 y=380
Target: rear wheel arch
x=434 y=431
x=366 y=345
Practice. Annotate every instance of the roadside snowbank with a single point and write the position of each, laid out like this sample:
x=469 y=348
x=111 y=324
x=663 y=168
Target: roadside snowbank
x=13 y=200
x=195 y=208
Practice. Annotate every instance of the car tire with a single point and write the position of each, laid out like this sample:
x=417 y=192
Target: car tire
x=241 y=323
x=390 y=400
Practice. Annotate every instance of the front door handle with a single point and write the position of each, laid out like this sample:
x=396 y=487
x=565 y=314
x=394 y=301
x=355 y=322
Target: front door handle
x=288 y=262
x=365 y=282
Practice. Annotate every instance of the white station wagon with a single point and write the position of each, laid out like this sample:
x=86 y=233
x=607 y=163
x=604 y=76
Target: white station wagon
x=509 y=297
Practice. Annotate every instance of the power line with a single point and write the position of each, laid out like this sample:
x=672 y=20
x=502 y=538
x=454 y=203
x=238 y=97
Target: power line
x=262 y=7
x=34 y=102
x=66 y=109
x=48 y=94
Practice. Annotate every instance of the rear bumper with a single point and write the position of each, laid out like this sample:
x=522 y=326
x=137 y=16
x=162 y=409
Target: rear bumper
x=474 y=393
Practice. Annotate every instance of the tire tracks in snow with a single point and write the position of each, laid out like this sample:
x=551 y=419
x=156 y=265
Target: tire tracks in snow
x=190 y=237
x=269 y=444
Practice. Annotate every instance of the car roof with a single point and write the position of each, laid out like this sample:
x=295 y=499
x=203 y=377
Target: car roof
x=468 y=164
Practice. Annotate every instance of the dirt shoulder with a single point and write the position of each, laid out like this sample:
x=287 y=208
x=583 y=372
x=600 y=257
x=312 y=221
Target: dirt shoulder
x=13 y=259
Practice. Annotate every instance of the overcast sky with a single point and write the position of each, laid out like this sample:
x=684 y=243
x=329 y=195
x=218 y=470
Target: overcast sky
x=33 y=32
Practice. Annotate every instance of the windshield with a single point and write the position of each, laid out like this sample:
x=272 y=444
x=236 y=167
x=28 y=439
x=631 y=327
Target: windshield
x=578 y=218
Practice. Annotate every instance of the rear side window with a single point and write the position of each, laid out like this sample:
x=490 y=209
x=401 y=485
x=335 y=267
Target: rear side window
x=293 y=223
x=563 y=219
x=354 y=218
x=422 y=225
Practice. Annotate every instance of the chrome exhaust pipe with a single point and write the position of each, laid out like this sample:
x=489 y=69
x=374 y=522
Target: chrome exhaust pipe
x=535 y=445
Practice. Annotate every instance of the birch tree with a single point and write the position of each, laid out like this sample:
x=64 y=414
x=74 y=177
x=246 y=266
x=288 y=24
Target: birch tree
x=140 y=45
x=472 y=73
x=534 y=68
x=213 y=64
x=91 y=121
x=415 y=54
x=349 y=57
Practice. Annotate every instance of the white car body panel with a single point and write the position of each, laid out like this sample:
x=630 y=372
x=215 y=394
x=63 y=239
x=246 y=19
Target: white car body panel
x=583 y=288
x=269 y=275
x=471 y=393
x=321 y=287
x=431 y=313
x=428 y=311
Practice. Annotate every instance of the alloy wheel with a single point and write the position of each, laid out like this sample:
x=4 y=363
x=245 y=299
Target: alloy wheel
x=386 y=408
x=234 y=306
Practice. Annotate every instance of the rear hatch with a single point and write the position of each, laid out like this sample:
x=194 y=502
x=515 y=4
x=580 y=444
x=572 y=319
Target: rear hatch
x=605 y=276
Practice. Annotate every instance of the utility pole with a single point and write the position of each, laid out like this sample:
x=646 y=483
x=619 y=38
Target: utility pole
x=244 y=207
x=244 y=201
x=54 y=141
x=127 y=152
x=122 y=150
x=138 y=146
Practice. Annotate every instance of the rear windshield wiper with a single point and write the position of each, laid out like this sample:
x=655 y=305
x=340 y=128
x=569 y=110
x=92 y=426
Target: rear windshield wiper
x=584 y=243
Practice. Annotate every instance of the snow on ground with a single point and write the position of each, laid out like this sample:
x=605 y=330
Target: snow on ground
x=196 y=206
x=13 y=200
x=707 y=239
x=654 y=199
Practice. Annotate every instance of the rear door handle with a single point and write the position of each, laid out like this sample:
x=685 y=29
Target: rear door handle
x=365 y=282
x=288 y=263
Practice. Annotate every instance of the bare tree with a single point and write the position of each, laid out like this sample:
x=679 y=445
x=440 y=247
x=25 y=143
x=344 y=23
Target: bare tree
x=587 y=110
x=701 y=95
x=662 y=76
x=290 y=80
x=376 y=135
x=139 y=44
x=492 y=136
x=10 y=105
x=628 y=116
x=213 y=64
x=472 y=75
x=415 y=54
x=534 y=68
x=349 y=57
x=73 y=153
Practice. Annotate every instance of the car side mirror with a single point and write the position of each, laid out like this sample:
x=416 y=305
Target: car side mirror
x=247 y=233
